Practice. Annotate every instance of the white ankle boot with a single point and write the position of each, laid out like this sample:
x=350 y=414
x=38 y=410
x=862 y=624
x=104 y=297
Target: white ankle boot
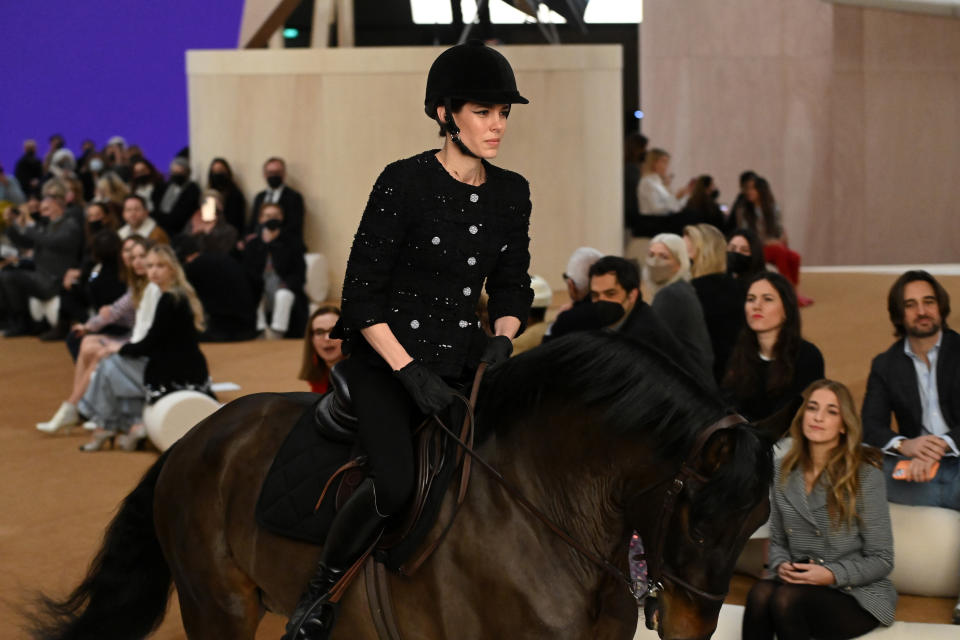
x=66 y=416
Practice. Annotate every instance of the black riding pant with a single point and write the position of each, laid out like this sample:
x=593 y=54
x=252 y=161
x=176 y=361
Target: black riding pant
x=802 y=612
x=387 y=416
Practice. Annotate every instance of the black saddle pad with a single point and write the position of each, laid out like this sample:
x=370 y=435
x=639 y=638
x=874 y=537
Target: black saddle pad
x=305 y=461
x=296 y=478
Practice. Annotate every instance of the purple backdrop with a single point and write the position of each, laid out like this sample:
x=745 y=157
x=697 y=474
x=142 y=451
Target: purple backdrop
x=99 y=68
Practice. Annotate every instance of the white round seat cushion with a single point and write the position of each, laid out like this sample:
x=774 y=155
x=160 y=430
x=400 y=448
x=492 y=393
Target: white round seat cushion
x=170 y=417
x=926 y=542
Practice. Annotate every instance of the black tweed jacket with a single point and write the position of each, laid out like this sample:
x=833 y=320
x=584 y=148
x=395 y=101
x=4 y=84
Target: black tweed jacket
x=426 y=246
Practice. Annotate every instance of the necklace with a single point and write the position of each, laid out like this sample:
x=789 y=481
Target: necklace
x=478 y=180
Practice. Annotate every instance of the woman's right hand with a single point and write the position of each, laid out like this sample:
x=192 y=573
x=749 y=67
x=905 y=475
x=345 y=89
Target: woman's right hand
x=427 y=389
x=78 y=329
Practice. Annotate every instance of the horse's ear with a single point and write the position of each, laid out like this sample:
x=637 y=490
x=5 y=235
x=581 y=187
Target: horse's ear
x=773 y=427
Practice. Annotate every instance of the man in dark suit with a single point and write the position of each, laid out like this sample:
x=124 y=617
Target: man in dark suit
x=277 y=192
x=918 y=381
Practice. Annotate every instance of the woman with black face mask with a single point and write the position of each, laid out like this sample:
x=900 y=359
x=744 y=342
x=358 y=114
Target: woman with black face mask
x=147 y=183
x=220 y=178
x=745 y=255
x=276 y=270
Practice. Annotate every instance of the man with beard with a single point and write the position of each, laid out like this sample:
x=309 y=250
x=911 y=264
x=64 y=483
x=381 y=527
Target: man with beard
x=918 y=380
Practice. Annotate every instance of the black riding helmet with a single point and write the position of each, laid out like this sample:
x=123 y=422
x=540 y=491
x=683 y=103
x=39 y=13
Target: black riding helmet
x=474 y=72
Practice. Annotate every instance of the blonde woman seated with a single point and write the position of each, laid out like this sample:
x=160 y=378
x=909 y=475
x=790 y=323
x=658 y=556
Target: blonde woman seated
x=720 y=296
x=133 y=309
x=831 y=544
x=166 y=359
x=653 y=192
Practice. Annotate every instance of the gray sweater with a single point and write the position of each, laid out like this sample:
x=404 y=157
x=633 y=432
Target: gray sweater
x=860 y=557
x=679 y=310
x=56 y=246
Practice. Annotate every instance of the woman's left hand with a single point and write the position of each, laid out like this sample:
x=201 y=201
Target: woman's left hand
x=806 y=573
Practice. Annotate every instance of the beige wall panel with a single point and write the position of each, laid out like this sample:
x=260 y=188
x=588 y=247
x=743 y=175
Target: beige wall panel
x=853 y=114
x=913 y=161
x=339 y=116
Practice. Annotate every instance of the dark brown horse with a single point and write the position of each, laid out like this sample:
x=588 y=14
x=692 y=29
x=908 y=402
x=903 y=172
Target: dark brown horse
x=598 y=432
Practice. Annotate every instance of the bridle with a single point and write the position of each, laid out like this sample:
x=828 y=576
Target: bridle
x=659 y=575
x=657 y=571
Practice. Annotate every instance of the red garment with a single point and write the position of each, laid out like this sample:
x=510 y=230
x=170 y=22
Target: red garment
x=320 y=386
x=785 y=260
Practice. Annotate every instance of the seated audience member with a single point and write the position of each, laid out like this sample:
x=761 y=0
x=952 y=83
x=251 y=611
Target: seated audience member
x=166 y=359
x=702 y=207
x=759 y=213
x=73 y=196
x=101 y=215
x=91 y=170
x=578 y=314
x=771 y=364
x=221 y=284
x=147 y=183
x=56 y=241
x=674 y=300
x=536 y=327
x=55 y=142
x=62 y=164
x=139 y=222
x=745 y=255
x=720 y=296
x=220 y=179
x=99 y=282
x=918 y=381
x=730 y=224
x=320 y=351
x=180 y=198
x=278 y=192
x=653 y=193
x=96 y=338
x=210 y=228
x=110 y=188
x=118 y=157
x=276 y=268
x=831 y=542
x=10 y=190
x=634 y=150
x=617 y=305
x=29 y=168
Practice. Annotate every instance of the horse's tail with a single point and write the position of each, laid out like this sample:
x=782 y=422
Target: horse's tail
x=125 y=592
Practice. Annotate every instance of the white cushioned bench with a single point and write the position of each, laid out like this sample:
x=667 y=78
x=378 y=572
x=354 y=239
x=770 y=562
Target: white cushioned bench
x=174 y=414
x=729 y=627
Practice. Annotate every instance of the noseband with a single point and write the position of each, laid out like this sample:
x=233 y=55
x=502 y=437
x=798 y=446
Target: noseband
x=659 y=573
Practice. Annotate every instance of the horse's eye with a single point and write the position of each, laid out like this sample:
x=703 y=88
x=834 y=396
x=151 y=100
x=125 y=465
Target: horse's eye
x=698 y=536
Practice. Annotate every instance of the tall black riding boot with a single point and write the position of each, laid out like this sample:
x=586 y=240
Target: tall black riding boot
x=354 y=529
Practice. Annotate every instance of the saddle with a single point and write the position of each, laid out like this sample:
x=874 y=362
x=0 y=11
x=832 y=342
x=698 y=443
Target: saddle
x=321 y=463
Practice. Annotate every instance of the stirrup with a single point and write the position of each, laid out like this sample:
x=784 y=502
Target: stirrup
x=316 y=623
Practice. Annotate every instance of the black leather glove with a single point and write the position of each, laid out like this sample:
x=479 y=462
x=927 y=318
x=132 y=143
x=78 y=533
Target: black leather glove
x=498 y=349
x=427 y=389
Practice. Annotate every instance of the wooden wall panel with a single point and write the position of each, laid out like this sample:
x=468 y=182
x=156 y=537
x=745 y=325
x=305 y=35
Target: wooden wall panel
x=339 y=116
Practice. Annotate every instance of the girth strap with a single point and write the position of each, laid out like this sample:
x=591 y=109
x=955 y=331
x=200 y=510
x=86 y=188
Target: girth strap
x=380 y=601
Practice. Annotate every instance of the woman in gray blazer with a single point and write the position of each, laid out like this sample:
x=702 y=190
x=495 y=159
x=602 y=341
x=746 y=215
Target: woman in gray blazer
x=831 y=545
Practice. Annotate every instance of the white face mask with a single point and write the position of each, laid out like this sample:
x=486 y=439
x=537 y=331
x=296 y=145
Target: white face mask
x=659 y=269
x=96 y=165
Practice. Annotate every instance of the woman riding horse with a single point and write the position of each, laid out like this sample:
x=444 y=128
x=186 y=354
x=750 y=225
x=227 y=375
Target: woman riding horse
x=436 y=226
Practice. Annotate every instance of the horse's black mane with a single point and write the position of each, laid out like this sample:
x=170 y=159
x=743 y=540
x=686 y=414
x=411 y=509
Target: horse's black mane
x=633 y=387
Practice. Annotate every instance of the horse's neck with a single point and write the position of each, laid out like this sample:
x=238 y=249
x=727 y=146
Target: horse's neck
x=573 y=495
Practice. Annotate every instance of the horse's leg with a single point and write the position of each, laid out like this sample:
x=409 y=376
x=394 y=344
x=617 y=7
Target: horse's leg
x=227 y=605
